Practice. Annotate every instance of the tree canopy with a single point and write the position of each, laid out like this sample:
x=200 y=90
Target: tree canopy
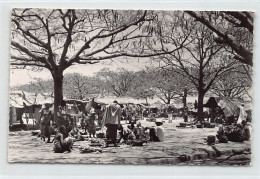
x=194 y=48
x=232 y=28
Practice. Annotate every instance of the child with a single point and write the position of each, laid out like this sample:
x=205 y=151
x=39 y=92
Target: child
x=90 y=123
x=62 y=144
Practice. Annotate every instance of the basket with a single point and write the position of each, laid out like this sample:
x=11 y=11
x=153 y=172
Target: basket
x=100 y=135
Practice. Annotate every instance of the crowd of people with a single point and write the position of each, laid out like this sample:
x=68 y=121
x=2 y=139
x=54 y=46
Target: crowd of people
x=66 y=130
x=115 y=132
x=111 y=121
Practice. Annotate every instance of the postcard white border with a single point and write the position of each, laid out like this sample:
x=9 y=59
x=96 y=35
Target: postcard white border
x=64 y=171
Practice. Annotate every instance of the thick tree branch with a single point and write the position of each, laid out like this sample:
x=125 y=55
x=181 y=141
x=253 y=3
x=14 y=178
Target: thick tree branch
x=102 y=36
x=39 y=42
x=29 y=53
x=28 y=64
x=241 y=51
x=244 y=22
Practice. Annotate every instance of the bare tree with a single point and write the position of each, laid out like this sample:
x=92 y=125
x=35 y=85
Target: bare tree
x=119 y=82
x=234 y=29
x=37 y=86
x=143 y=85
x=169 y=85
x=234 y=84
x=201 y=60
x=76 y=86
x=56 y=39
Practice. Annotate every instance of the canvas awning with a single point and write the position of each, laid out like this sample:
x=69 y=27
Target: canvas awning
x=211 y=103
x=157 y=104
x=229 y=107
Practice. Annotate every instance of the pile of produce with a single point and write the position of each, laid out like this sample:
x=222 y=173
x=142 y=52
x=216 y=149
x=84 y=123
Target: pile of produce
x=88 y=149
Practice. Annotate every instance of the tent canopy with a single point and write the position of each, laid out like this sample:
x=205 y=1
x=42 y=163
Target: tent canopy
x=19 y=98
x=121 y=100
x=157 y=104
x=211 y=103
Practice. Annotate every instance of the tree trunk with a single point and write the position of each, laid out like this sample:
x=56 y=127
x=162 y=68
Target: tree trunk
x=200 y=105
x=185 y=98
x=201 y=92
x=58 y=92
x=169 y=100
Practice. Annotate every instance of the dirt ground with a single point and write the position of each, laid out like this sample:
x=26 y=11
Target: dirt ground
x=186 y=142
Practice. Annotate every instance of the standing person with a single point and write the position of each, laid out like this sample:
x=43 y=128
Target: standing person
x=185 y=114
x=111 y=120
x=90 y=123
x=63 y=117
x=45 y=116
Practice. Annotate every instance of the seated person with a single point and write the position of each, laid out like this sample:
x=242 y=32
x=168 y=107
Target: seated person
x=76 y=134
x=157 y=133
x=222 y=138
x=160 y=130
x=121 y=133
x=245 y=130
x=153 y=137
x=139 y=131
x=129 y=134
x=61 y=142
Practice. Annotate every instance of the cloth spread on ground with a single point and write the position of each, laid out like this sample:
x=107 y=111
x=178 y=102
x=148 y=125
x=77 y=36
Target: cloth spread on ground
x=87 y=149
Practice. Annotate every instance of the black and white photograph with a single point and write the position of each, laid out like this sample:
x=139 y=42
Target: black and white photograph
x=131 y=87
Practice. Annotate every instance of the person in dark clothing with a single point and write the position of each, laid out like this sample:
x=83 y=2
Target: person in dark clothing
x=111 y=135
x=45 y=116
x=245 y=130
x=63 y=116
x=90 y=124
x=185 y=114
x=121 y=133
x=153 y=136
x=132 y=126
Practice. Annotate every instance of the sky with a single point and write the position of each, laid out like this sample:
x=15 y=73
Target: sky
x=25 y=76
